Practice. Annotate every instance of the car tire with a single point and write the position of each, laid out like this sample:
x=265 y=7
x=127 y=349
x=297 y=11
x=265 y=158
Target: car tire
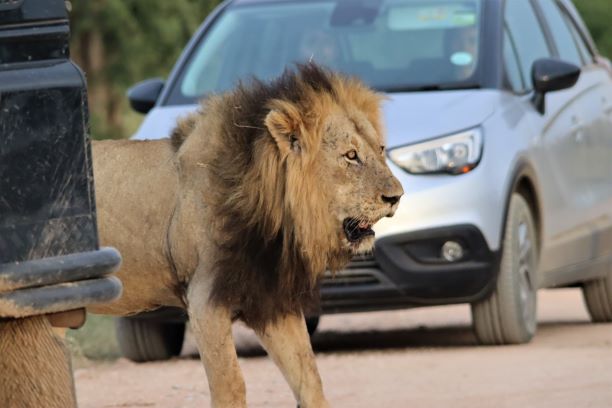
x=143 y=340
x=598 y=298
x=311 y=324
x=509 y=315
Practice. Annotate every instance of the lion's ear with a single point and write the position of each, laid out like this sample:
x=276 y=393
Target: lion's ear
x=284 y=126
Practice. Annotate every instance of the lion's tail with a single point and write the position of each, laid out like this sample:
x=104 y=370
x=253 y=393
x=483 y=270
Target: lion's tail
x=183 y=129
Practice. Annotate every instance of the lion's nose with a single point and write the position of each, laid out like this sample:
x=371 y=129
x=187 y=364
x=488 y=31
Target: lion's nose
x=392 y=194
x=391 y=199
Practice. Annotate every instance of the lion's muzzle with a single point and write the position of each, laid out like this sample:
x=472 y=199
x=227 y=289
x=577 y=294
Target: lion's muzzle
x=391 y=195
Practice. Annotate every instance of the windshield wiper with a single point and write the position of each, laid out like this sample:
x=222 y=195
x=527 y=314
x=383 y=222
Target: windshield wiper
x=431 y=87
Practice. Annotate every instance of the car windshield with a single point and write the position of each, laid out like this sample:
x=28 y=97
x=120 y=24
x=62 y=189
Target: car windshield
x=393 y=45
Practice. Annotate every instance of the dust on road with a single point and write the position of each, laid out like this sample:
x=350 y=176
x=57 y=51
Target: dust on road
x=424 y=358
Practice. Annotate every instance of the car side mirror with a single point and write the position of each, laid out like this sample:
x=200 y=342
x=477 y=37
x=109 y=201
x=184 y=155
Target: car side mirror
x=143 y=95
x=549 y=75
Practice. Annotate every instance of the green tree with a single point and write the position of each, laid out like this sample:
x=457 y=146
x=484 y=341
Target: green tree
x=597 y=15
x=120 y=42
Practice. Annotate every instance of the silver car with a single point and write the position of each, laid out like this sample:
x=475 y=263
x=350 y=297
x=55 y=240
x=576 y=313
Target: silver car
x=499 y=125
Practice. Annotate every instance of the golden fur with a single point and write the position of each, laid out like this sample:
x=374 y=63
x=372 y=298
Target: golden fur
x=35 y=366
x=241 y=212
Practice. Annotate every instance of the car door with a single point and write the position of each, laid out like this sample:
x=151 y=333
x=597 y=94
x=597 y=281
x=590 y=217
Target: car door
x=558 y=154
x=598 y=139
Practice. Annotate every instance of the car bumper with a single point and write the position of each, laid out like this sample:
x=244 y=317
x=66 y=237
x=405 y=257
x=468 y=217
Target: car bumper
x=476 y=198
x=404 y=271
x=407 y=270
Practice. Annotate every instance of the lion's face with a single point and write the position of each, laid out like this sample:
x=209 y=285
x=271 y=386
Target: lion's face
x=361 y=188
x=335 y=158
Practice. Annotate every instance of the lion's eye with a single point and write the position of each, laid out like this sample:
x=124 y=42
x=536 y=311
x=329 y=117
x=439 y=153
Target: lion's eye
x=351 y=156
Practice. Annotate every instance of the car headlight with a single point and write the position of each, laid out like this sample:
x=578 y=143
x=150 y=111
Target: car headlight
x=454 y=154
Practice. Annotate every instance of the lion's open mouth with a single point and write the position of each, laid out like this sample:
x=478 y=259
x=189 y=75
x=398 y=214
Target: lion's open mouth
x=357 y=230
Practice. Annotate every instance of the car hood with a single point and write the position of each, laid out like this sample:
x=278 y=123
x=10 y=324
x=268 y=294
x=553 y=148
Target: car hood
x=161 y=120
x=417 y=116
x=409 y=117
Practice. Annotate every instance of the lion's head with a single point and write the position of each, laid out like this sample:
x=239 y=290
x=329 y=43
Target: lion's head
x=331 y=143
x=296 y=178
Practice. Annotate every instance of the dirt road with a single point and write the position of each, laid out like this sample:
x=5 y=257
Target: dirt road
x=424 y=358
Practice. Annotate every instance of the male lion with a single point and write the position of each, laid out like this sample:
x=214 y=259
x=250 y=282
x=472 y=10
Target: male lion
x=241 y=212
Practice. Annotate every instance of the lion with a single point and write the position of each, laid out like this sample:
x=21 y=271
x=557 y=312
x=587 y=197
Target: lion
x=239 y=214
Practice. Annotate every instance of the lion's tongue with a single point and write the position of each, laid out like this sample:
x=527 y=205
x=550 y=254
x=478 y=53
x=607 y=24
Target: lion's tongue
x=364 y=225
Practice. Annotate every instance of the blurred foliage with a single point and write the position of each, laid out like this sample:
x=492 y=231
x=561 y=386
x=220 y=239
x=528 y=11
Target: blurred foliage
x=120 y=42
x=597 y=15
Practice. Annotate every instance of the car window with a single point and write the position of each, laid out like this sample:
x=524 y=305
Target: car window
x=562 y=36
x=511 y=65
x=585 y=52
x=526 y=34
x=390 y=44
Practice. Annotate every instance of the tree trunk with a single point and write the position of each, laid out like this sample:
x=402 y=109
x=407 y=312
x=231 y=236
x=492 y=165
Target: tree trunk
x=104 y=101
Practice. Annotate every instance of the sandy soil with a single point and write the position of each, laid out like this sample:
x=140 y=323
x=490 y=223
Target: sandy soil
x=412 y=358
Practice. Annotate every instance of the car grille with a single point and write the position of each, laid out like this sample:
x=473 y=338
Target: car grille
x=363 y=261
x=358 y=272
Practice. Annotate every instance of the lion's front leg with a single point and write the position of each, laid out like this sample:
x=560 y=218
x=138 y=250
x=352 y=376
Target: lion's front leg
x=288 y=344
x=212 y=328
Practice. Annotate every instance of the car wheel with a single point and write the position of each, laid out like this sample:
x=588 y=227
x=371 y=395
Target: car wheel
x=143 y=340
x=311 y=324
x=598 y=298
x=509 y=316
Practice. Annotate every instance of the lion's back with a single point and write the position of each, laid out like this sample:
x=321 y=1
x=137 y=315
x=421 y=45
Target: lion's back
x=135 y=188
x=133 y=177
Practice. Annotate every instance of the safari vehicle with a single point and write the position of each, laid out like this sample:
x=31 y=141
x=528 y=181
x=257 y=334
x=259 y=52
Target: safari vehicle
x=499 y=126
x=51 y=266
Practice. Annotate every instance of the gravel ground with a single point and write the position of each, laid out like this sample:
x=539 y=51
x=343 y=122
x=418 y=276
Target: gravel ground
x=424 y=358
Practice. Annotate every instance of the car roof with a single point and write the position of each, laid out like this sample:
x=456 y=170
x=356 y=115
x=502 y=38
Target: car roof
x=259 y=1
x=239 y=2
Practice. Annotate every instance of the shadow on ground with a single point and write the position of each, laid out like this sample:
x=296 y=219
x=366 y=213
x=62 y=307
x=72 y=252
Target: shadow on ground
x=452 y=336
x=335 y=341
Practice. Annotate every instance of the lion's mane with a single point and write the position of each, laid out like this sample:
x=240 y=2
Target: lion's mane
x=273 y=236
